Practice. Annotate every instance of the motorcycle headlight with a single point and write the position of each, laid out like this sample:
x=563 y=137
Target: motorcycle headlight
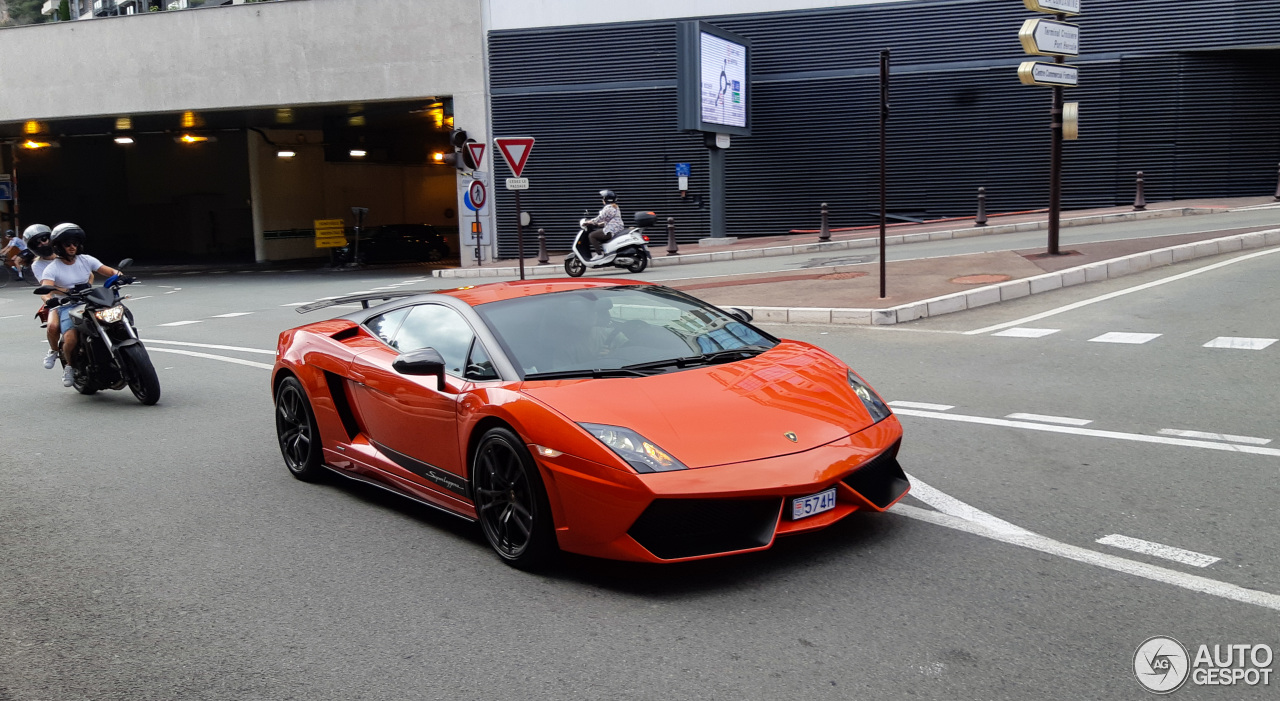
x=110 y=315
x=639 y=452
x=878 y=409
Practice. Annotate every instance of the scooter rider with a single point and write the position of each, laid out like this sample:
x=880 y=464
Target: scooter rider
x=606 y=225
x=71 y=268
x=41 y=255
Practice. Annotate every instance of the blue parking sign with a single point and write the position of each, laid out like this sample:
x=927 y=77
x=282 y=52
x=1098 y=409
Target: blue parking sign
x=682 y=170
x=6 y=191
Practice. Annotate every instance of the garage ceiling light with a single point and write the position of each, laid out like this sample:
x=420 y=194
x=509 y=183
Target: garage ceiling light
x=285 y=154
x=36 y=145
x=193 y=139
x=357 y=153
x=124 y=140
x=124 y=123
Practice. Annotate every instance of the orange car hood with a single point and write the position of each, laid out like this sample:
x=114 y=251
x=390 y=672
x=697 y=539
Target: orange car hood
x=722 y=414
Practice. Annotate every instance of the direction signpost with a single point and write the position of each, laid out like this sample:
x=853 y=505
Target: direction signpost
x=330 y=233
x=1056 y=38
x=515 y=151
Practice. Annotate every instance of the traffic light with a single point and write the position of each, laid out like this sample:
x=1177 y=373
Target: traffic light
x=460 y=158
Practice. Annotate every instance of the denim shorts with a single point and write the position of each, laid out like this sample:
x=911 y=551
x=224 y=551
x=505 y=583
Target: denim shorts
x=64 y=316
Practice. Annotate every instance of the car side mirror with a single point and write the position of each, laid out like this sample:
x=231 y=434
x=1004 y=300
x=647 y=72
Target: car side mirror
x=424 y=361
x=740 y=314
x=124 y=264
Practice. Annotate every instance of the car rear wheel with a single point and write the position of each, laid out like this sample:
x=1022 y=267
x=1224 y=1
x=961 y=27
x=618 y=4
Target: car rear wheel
x=297 y=432
x=511 y=501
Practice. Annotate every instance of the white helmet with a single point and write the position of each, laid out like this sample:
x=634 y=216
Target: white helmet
x=34 y=231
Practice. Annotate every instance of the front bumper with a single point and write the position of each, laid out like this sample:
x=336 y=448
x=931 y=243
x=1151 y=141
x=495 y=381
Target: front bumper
x=721 y=510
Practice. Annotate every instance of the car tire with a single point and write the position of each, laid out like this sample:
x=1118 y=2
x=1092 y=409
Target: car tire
x=511 y=501
x=574 y=267
x=297 y=433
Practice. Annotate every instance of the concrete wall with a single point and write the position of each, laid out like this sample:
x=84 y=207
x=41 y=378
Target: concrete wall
x=520 y=14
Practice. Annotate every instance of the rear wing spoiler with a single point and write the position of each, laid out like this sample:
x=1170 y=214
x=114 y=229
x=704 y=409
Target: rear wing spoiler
x=363 y=299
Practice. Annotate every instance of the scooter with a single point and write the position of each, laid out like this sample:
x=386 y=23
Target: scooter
x=109 y=354
x=629 y=249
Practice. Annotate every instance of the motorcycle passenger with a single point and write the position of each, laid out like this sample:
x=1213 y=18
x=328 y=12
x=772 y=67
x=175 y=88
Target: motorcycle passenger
x=606 y=225
x=40 y=252
x=71 y=268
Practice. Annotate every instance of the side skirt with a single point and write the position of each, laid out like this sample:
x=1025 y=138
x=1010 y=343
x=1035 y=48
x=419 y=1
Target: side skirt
x=354 y=477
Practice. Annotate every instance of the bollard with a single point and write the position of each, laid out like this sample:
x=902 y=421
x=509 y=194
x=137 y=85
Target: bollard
x=542 y=247
x=672 y=249
x=981 y=219
x=1278 y=187
x=1139 y=198
x=824 y=233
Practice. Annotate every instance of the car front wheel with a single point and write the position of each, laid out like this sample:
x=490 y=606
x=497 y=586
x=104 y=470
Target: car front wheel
x=297 y=432
x=511 y=502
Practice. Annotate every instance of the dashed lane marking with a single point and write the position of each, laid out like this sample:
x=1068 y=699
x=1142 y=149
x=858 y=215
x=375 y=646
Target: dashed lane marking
x=1168 y=552
x=1237 y=343
x=921 y=405
x=232 y=314
x=1213 y=436
x=294 y=304
x=178 y=323
x=1092 y=432
x=210 y=345
x=1124 y=337
x=1064 y=420
x=1025 y=332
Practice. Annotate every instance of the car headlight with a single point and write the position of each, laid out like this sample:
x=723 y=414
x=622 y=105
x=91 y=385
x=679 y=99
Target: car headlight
x=639 y=452
x=110 y=315
x=878 y=409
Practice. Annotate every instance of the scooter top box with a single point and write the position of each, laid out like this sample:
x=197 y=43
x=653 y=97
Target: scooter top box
x=645 y=218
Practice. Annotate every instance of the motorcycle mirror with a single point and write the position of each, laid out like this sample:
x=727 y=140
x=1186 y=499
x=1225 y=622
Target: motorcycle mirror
x=42 y=290
x=124 y=264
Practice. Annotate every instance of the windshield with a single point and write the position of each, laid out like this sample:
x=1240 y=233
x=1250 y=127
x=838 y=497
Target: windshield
x=616 y=327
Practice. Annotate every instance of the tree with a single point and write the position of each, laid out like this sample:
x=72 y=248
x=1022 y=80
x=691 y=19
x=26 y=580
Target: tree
x=26 y=11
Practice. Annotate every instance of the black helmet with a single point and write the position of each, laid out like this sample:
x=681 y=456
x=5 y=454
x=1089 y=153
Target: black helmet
x=608 y=196
x=37 y=238
x=64 y=234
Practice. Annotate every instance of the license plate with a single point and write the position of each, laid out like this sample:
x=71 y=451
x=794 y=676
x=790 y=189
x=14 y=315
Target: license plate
x=804 y=507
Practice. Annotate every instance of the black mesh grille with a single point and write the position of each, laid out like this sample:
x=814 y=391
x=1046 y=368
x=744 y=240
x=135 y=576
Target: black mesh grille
x=676 y=528
x=881 y=480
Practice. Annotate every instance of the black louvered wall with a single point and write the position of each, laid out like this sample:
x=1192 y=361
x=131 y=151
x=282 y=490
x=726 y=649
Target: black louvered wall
x=1188 y=92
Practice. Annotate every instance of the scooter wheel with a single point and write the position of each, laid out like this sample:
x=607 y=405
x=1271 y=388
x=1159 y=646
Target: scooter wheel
x=574 y=267
x=642 y=262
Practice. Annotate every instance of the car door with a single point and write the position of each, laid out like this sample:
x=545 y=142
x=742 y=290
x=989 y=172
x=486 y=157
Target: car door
x=410 y=419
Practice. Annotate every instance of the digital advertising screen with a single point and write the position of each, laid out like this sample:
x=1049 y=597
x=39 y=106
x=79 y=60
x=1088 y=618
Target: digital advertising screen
x=724 y=81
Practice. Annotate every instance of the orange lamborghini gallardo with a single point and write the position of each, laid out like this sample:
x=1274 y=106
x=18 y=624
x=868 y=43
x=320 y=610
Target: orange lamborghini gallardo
x=611 y=418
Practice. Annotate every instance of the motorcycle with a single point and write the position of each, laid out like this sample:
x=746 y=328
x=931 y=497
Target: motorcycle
x=629 y=249
x=109 y=354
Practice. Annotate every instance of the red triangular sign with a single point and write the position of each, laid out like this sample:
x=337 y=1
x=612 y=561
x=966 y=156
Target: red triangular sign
x=515 y=149
x=477 y=153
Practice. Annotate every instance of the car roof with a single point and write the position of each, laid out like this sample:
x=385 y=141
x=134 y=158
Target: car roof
x=498 y=291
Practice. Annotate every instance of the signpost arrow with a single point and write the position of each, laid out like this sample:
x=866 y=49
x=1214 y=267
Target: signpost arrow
x=515 y=150
x=1066 y=7
x=477 y=153
x=1042 y=37
x=1052 y=74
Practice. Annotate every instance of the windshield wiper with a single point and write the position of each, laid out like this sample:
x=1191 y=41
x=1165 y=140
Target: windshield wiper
x=597 y=372
x=720 y=356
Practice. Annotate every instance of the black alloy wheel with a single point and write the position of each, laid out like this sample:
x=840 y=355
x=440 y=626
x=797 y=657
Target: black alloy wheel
x=511 y=501
x=297 y=432
x=574 y=267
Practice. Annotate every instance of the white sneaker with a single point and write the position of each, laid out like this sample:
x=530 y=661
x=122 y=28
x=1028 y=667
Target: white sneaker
x=68 y=376
x=50 y=360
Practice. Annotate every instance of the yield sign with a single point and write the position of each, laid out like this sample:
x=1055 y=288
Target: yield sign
x=515 y=149
x=476 y=149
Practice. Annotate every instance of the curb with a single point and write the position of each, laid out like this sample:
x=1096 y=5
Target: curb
x=992 y=294
x=742 y=254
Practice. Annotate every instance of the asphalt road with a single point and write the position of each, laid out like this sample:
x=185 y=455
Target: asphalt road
x=164 y=552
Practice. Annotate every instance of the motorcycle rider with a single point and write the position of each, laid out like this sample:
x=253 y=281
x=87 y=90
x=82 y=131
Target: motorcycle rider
x=40 y=252
x=71 y=268
x=11 y=250
x=606 y=225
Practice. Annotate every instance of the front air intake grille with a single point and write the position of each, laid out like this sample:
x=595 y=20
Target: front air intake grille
x=676 y=528
x=881 y=480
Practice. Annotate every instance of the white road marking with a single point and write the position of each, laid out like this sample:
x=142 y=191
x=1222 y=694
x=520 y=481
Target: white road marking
x=1039 y=543
x=132 y=298
x=1124 y=337
x=921 y=405
x=1065 y=420
x=14 y=316
x=951 y=506
x=1119 y=293
x=210 y=345
x=294 y=304
x=1168 y=552
x=1092 y=432
x=220 y=272
x=1026 y=332
x=232 y=314
x=1238 y=343
x=178 y=323
x=223 y=358
x=1213 y=436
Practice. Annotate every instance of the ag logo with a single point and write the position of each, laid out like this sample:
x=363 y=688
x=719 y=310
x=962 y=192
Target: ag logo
x=1161 y=665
